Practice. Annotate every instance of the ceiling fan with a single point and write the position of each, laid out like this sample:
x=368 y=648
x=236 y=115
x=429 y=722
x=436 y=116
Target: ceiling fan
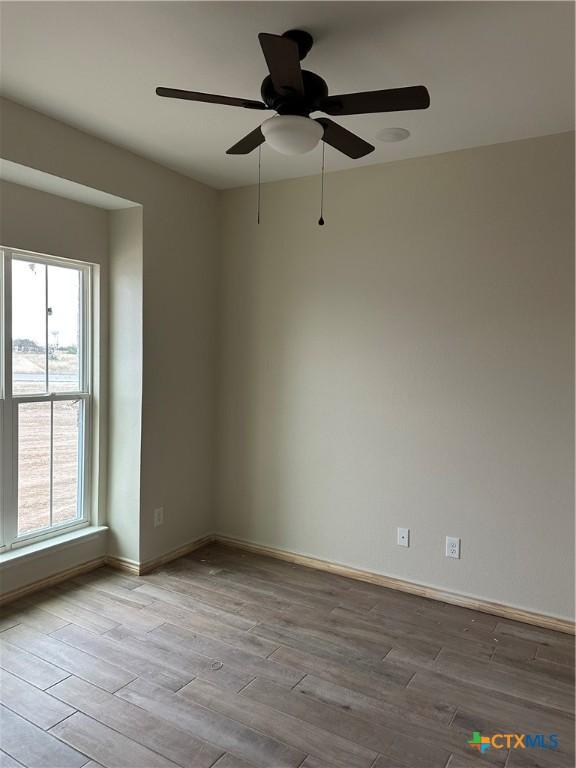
x=294 y=93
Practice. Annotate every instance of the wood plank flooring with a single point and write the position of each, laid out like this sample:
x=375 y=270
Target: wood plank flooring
x=224 y=659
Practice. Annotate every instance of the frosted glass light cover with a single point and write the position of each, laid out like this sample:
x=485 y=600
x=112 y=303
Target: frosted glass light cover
x=292 y=134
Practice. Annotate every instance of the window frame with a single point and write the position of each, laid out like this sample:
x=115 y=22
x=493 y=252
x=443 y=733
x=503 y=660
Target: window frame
x=9 y=403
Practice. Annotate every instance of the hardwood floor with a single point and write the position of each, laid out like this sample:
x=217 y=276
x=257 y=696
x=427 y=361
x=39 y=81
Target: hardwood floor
x=235 y=660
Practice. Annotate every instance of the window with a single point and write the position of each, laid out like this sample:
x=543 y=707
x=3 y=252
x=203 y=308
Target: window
x=45 y=396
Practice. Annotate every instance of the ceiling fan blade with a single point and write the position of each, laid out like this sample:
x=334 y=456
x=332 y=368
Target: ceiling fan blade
x=283 y=60
x=248 y=143
x=344 y=140
x=391 y=100
x=210 y=98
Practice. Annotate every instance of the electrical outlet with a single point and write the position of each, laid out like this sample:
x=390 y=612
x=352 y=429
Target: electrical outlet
x=158 y=517
x=452 y=547
x=403 y=537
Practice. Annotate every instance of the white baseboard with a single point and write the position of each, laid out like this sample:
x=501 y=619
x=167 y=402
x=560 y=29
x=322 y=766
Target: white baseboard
x=49 y=581
x=119 y=563
x=454 y=598
x=123 y=564
x=145 y=566
x=434 y=593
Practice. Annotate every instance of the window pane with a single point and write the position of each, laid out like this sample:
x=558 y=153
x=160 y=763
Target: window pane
x=63 y=329
x=65 y=455
x=33 y=466
x=28 y=327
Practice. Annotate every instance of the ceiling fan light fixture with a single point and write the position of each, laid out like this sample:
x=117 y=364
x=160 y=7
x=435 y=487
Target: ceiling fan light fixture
x=292 y=134
x=295 y=93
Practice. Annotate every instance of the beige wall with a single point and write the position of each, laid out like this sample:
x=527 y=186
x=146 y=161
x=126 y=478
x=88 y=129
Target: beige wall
x=409 y=364
x=178 y=285
x=71 y=555
x=125 y=383
x=37 y=221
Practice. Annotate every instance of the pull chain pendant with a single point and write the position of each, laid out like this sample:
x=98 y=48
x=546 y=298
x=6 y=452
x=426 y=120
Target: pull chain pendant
x=259 y=179
x=321 y=219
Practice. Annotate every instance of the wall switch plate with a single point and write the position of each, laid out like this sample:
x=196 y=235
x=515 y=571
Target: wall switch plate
x=452 y=547
x=403 y=537
x=158 y=517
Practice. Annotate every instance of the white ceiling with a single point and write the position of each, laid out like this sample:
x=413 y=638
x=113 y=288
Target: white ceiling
x=496 y=71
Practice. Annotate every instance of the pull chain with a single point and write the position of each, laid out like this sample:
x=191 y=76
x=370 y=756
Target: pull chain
x=321 y=219
x=259 y=178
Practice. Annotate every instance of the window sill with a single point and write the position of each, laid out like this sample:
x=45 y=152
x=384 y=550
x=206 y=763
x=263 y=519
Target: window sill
x=47 y=546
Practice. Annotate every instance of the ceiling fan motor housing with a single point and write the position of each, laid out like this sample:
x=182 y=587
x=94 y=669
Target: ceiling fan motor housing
x=291 y=103
x=304 y=41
